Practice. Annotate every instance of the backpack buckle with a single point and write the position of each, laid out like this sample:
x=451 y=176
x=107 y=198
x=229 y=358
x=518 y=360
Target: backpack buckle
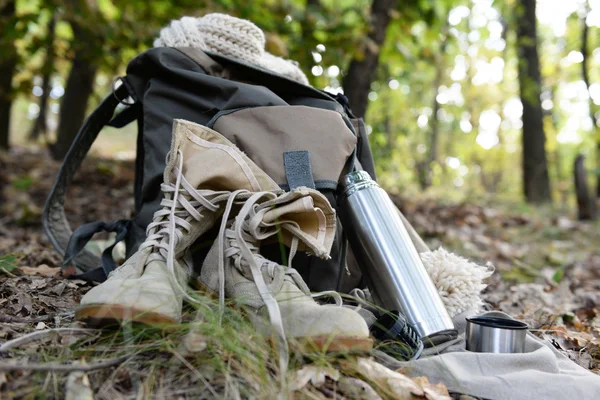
x=115 y=87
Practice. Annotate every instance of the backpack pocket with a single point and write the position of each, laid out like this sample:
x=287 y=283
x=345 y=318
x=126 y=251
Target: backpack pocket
x=286 y=140
x=291 y=143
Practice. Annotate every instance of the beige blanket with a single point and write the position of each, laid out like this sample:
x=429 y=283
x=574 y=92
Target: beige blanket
x=540 y=373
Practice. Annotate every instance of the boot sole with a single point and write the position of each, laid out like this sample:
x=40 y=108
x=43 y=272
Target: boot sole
x=103 y=315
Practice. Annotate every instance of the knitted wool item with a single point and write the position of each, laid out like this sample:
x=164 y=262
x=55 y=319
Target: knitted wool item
x=458 y=280
x=228 y=36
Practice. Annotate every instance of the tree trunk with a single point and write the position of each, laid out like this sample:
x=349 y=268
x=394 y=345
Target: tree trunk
x=586 y=204
x=357 y=82
x=8 y=62
x=79 y=87
x=585 y=67
x=422 y=174
x=536 y=183
x=39 y=127
x=435 y=124
x=308 y=30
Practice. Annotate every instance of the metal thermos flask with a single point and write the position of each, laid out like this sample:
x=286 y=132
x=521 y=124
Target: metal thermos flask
x=387 y=257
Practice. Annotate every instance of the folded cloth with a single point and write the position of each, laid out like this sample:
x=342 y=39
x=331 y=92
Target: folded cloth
x=542 y=372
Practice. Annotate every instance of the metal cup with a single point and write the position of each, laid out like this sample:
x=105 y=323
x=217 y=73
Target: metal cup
x=495 y=335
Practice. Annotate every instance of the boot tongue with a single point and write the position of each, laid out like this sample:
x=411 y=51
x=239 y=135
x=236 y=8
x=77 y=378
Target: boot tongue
x=212 y=162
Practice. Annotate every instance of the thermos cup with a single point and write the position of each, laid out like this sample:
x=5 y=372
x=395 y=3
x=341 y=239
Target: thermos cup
x=387 y=257
x=487 y=334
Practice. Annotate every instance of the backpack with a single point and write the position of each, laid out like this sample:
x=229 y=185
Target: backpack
x=298 y=135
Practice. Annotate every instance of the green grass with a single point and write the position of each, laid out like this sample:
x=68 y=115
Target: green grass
x=159 y=363
x=8 y=263
x=227 y=360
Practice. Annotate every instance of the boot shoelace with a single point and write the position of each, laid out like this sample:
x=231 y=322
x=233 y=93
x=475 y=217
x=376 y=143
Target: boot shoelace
x=181 y=206
x=244 y=247
x=243 y=237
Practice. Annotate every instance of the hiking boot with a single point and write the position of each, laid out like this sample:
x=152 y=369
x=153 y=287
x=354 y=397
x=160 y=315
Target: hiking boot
x=302 y=219
x=202 y=169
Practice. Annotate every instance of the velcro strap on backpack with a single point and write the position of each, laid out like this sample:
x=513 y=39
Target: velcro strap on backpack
x=55 y=222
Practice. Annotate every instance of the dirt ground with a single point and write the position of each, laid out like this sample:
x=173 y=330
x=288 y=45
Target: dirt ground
x=547 y=266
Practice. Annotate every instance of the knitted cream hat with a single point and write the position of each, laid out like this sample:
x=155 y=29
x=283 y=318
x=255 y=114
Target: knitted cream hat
x=228 y=36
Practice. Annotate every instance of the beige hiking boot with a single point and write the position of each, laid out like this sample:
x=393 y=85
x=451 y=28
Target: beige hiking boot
x=303 y=218
x=202 y=169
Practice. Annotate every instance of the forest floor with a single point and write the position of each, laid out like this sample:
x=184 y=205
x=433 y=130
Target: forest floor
x=547 y=273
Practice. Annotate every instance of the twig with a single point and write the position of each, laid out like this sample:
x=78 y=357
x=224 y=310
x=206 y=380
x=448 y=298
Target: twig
x=18 y=320
x=4 y=271
x=332 y=394
x=63 y=367
x=196 y=372
x=30 y=337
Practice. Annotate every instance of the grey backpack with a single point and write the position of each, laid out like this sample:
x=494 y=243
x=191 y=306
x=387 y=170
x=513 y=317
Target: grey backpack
x=298 y=135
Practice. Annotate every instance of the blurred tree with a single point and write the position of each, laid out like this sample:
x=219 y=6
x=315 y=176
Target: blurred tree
x=442 y=99
x=585 y=67
x=536 y=183
x=106 y=34
x=586 y=202
x=311 y=14
x=440 y=66
x=39 y=126
x=87 y=50
x=8 y=62
x=361 y=72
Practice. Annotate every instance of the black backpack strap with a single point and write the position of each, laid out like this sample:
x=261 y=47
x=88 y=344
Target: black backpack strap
x=82 y=236
x=55 y=222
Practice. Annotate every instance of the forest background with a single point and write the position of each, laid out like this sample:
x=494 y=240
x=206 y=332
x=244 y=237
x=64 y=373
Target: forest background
x=466 y=99
x=484 y=119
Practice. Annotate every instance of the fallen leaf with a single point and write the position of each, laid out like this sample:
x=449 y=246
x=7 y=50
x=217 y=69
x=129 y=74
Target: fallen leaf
x=314 y=374
x=78 y=387
x=37 y=283
x=400 y=385
x=59 y=288
x=565 y=223
x=357 y=389
x=194 y=342
x=43 y=270
x=581 y=339
x=433 y=392
x=25 y=302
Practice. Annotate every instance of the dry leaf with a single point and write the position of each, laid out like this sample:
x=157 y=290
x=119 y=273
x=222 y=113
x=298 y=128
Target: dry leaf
x=78 y=387
x=357 y=389
x=194 y=342
x=37 y=283
x=401 y=386
x=43 y=270
x=59 y=288
x=313 y=374
x=433 y=392
x=581 y=339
